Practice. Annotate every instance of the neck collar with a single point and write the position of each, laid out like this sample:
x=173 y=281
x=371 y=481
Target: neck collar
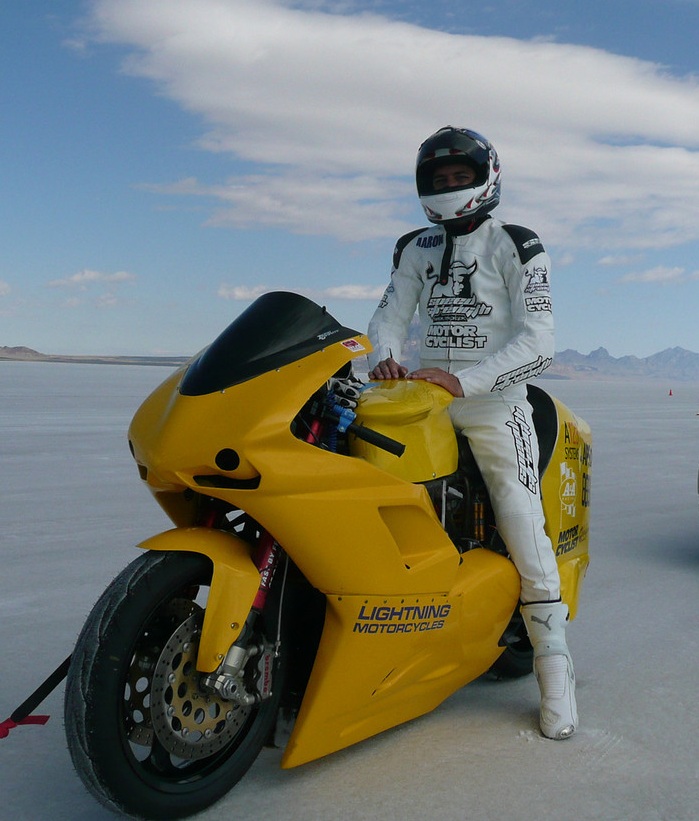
x=460 y=227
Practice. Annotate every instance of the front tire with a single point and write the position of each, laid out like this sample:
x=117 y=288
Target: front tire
x=143 y=737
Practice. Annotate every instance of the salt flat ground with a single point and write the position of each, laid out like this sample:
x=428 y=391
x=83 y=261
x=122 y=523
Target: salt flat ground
x=72 y=509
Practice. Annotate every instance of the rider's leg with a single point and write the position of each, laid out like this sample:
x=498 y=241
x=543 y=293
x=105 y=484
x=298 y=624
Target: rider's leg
x=553 y=667
x=502 y=437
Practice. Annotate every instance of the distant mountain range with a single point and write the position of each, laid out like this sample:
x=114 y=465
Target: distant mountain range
x=30 y=355
x=673 y=363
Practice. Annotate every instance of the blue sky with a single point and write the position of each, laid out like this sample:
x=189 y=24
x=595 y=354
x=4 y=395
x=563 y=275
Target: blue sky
x=164 y=161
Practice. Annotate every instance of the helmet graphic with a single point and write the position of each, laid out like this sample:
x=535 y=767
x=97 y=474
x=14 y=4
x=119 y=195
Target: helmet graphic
x=450 y=146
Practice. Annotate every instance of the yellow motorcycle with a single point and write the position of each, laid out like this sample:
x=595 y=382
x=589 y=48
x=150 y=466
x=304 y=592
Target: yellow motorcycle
x=334 y=569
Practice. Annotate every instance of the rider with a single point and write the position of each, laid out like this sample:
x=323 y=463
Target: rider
x=482 y=291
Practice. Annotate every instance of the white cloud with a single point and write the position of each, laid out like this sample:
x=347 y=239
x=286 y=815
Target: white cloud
x=4 y=288
x=351 y=208
x=84 y=278
x=659 y=274
x=614 y=261
x=243 y=293
x=598 y=150
x=108 y=300
x=370 y=292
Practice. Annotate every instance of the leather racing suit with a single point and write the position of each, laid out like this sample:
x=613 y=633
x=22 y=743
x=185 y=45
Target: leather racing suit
x=485 y=312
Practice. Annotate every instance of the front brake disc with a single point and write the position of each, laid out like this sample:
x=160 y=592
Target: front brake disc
x=189 y=722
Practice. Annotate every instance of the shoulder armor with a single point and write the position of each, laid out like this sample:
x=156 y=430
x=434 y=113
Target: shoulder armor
x=526 y=241
x=402 y=242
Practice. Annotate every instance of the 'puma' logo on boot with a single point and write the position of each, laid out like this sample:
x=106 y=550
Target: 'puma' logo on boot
x=545 y=622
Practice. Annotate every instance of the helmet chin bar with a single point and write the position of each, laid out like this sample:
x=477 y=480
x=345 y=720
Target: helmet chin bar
x=464 y=203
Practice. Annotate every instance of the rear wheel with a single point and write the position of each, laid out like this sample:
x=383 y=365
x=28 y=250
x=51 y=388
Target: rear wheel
x=144 y=737
x=517 y=659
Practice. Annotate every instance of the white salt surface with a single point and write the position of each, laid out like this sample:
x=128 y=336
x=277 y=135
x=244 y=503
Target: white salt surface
x=72 y=508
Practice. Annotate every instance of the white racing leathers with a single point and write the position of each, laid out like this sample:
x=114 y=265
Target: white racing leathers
x=485 y=311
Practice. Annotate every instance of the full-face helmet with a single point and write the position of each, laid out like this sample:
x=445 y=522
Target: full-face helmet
x=449 y=146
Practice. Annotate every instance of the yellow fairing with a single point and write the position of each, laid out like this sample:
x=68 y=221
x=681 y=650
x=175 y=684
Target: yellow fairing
x=233 y=587
x=565 y=488
x=415 y=413
x=363 y=537
x=384 y=660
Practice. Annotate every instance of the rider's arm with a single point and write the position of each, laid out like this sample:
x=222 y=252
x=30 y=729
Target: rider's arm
x=530 y=348
x=389 y=325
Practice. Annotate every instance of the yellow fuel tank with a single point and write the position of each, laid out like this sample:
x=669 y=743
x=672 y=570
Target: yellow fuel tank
x=415 y=413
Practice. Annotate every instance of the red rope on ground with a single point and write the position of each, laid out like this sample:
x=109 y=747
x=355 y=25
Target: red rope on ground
x=8 y=724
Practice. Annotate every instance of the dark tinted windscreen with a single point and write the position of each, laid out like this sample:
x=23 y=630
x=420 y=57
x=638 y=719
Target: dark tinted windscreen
x=277 y=329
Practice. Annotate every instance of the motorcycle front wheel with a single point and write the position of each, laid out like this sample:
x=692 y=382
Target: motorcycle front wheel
x=144 y=738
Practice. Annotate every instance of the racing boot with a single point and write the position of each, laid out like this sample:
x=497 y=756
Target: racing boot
x=553 y=667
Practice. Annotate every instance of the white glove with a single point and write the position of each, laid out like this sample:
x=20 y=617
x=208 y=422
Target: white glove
x=346 y=391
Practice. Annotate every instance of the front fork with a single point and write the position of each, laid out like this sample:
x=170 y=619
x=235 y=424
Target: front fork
x=234 y=679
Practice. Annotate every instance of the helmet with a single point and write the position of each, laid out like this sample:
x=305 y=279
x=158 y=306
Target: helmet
x=455 y=145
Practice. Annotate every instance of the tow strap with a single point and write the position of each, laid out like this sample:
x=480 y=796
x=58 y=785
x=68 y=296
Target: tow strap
x=22 y=714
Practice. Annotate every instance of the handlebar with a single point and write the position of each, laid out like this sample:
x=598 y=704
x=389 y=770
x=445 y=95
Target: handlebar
x=345 y=422
x=377 y=439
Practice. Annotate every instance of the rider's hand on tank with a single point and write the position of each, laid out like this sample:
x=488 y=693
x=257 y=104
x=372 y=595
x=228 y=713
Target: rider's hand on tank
x=388 y=369
x=347 y=391
x=439 y=377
